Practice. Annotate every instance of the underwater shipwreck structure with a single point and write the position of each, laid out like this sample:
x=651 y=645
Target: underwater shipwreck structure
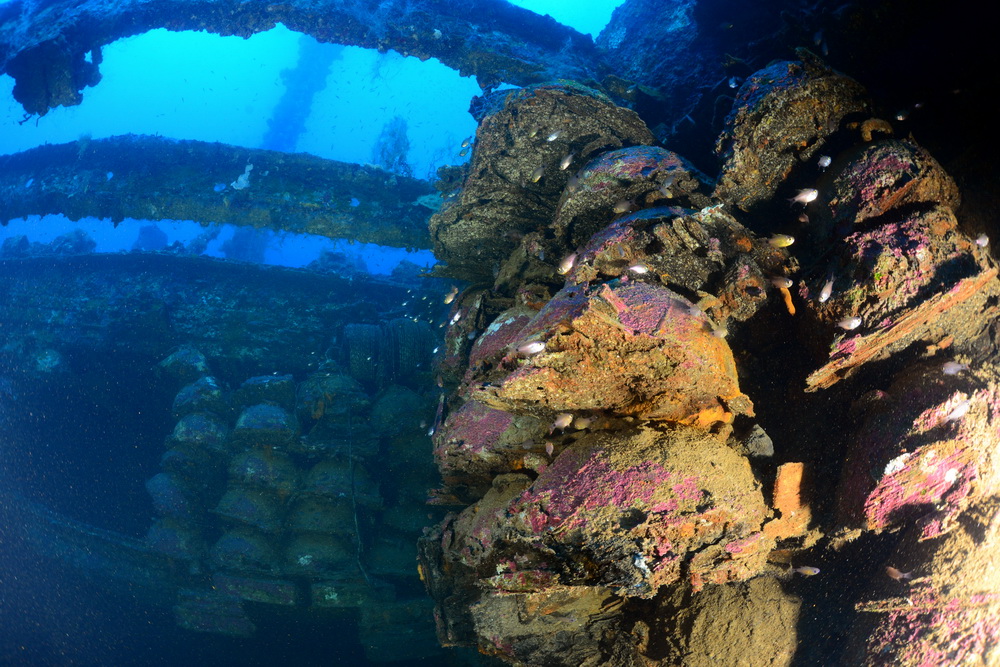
x=682 y=419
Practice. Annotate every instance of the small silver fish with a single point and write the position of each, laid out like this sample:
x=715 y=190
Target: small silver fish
x=849 y=323
x=555 y=135
x=902 y=115
x=466 y=142
x=781 y=282
x=580 y=423
x=562 y=422
x=549 y=448
x=566 y=161
x=781 y=240
x=639 y=269
x=824 y=161
x=531 y=349
x=982 y=240
x=960 y=411
x=537 y=174
x=806 y=570
x=805 y=196
x=897 y=574
x=953 y=368
x=463 y=152
x=573 y=184
x=733 y=82
x=623 y=206
x=827 y=291
x=450 y=296
x=456 y=317
x=566 y=265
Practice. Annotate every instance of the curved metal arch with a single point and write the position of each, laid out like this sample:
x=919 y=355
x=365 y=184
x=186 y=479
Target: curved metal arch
x=44 y=45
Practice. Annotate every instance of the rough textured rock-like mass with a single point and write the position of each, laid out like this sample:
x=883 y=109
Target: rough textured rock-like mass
x=515 y=177
x=630 y=502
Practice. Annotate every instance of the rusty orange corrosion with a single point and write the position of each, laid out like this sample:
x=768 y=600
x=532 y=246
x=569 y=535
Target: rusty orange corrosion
x=872 y=344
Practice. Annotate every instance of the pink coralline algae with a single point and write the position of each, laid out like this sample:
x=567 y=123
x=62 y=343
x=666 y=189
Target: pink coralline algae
x=500 y=336
x=646 y=498
x=925 y=464
x=894 y=267
x=929 y=478
x=476 y=442
x=885 y=175
x=637 y=175
x=928 y=628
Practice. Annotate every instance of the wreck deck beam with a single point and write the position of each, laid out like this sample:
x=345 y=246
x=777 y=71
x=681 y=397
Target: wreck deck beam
x=43 y=44
x=152 y=178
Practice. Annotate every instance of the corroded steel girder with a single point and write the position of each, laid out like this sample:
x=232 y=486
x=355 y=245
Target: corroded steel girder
x=44 y=45
x=152 y=178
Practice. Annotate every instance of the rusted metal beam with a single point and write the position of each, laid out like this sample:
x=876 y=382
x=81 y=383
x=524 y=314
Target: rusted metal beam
x=153 y=178
x=44 y=45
